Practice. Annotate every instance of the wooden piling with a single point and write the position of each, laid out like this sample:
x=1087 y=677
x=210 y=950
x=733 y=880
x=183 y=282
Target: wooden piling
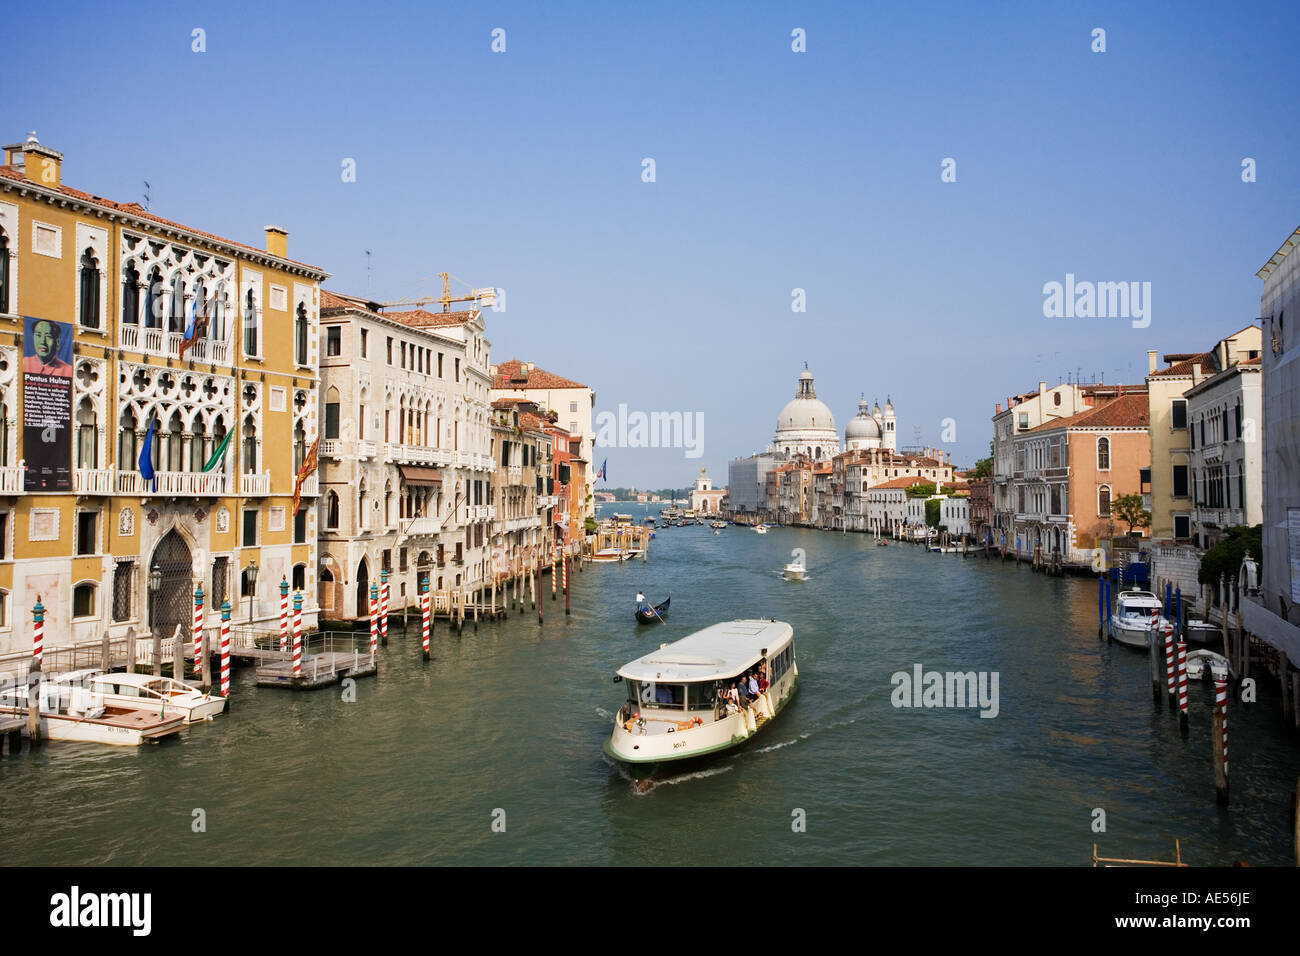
x=130 y=650
x=1153 y=663
x=105 y=654
x=566 y=585
x=157 y=652
x=34 y=702
x=178 y=655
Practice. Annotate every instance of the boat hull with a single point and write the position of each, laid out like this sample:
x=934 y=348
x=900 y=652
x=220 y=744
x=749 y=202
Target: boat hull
x=1132 y=636
x=645 y=754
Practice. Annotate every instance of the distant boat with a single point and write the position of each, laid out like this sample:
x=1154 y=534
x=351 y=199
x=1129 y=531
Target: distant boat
x=719 y=525
x=611 y=554
x=760 y=528
x=645 y=614
x=795 y=571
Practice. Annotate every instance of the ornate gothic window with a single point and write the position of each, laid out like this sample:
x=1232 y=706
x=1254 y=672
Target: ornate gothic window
x=153 y=300
x=87 y=444
x=250 y=324
x=176 y=315
x=130 y=295
x=250 y=446
x=300 y=335
x=4 y=272
x=89 y=290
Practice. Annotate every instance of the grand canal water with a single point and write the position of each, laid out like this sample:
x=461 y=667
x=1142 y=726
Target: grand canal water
x=512 y=716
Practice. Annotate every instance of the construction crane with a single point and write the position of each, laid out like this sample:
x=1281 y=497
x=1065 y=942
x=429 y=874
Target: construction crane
x=482 y=297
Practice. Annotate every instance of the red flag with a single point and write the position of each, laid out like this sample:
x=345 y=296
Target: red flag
x=308 y=466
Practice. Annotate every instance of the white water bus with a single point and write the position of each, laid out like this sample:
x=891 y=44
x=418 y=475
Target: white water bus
x=675 y=707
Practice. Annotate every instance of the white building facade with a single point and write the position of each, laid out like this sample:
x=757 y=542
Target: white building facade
x=1224 y=413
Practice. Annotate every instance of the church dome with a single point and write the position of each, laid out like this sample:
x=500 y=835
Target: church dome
x=805 y=413
x=862 y=427
x=806 y=425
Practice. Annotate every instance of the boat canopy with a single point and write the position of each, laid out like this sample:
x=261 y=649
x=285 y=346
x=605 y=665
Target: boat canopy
x=718 y=652
x=1139 y=599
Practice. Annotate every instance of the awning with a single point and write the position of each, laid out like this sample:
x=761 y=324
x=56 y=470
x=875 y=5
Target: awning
x=415 y=475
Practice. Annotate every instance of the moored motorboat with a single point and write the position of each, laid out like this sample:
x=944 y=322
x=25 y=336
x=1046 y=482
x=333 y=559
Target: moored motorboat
x=679 y=698
x=70 y=711
x=1136 y=612
x=648 y=613
x=610 y=554
x=147 y=691
x=1203 y=632
x=1202 y=664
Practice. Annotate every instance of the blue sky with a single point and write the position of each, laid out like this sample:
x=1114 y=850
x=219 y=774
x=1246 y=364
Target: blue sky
x=775 y=170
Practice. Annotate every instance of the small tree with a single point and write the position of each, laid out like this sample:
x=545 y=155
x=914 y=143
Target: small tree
x=983 y=468
x=1129 y=508
x=932 y=512
x=920 y=490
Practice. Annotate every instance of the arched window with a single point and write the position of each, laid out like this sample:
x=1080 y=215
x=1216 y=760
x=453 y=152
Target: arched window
x=153 y=300
x=83 y=600
x=1103 y=501
x=363 y=517
x=89 y=291
x=176 y=316
x=4 y=434
x=299 y=581
x=175 y=444
x=300 y=335
x=250 y=324
x=250 y=446
x=4 y=272
x=388 y=504
x=217 y=314
x=87 y=446
x=332 y=413
x=218 y=436
x=126 y=428
x=198 y=455
x=1103 y=455
x=332 y=510
x=130 y=295
x=299 y=446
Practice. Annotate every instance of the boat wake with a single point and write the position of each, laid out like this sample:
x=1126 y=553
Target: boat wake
x=653 y=783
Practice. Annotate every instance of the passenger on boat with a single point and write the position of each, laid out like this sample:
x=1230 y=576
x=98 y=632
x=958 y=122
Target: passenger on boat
x=753 y=686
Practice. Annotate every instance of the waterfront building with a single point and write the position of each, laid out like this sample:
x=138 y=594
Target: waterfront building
x=887 y=505
x=981 y=508
x=522 y=513
x=405 y=460
x=1271 y=613
x=747 y=486
x=864 y=469
x=1171 y=459
x=566 y=489
x=872 y=428
x=572 y=402
x=805 y=425
x=95 y=367
x=954 y=512
x=1068 y=471
x=822 y=511
x=705 y=499
x=1223 y=413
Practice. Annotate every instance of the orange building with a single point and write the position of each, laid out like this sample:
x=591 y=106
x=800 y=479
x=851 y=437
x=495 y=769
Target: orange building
x=1068 y=472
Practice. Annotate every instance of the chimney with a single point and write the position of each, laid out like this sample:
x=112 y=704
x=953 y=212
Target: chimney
x=1151 y=360
x=38 y=163
x=997 y=409
x=1042 y=389
x=277 y=241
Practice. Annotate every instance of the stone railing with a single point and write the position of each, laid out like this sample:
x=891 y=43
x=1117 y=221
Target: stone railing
x=160 y=342
x=93 y=481
x=255 y=486
x=11 y=480
x=185 y=484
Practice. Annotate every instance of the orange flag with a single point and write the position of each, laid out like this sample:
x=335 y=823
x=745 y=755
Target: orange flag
x=308 y=466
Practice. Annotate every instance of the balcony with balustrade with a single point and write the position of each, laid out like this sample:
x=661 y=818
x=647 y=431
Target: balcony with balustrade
x=180 y=484
x=94 y=481
x=417 y=527
x=255 y=486
x=11 y=480
x=366 y=449
x=311 y=486
x=331 y=448
x=160 y=342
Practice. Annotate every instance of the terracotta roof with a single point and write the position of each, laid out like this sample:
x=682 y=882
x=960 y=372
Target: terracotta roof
x=1128 y=411
x=1254 y=361
x=907 y=481
x=420 y=319
x=513 y=374
x=337 y=300
x=1181 y=363
x=135 y=209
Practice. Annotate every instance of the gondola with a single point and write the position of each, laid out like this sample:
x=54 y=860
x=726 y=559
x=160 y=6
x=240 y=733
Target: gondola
x=645 y=614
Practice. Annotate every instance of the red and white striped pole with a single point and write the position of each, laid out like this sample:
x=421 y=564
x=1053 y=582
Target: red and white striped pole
x=374 y=620
x=225 y=648
x=198 y=629
x=424 y=617
x=1220 y=731
x=1182 y=686
x=38 y=632
x=284 y=614
x=554 y=570
x=297 y=634
x=383 y=607
x=1169 y=663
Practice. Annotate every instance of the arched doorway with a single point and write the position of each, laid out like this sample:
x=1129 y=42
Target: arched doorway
x=363 y=590
x=173 y=603
x=325 y=590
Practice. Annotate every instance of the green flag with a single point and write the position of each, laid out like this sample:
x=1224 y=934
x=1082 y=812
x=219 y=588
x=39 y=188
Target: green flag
x=218 y=453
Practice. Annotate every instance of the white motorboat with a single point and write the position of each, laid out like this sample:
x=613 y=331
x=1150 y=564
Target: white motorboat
x=795 y=570
x=168 y=695
x=71 y=711
x=760 y=528
x=610 y=554
x=1133 y=617
x=1204 y=632
x=679 y=698
x=1203 y=663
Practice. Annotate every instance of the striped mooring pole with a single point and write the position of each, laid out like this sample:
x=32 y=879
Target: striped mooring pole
x=554 y=570
x=225 y=648
x=297 y=634
x=198 y=628
x=38 y=633
x=1219 y=732
x=1170 y=669
x=1182 y=686
x=383 y=607
x=284 y=614
x=374 y=620
x=424 y=617
x=566 y=585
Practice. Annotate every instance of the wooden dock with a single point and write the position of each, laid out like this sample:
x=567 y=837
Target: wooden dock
x=329 y=657
x=11 y=729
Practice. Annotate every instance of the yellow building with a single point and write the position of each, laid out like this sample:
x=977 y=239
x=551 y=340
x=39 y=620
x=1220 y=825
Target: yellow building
x=1171 y=477
x=95 y=302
